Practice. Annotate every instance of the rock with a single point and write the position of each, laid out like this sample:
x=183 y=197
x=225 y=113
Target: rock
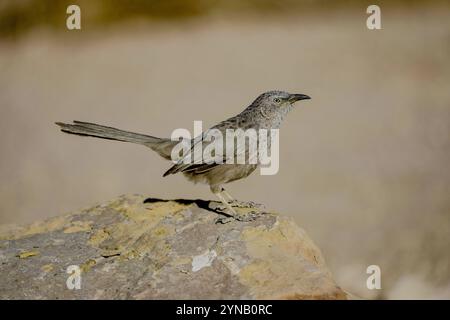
x=129 y=248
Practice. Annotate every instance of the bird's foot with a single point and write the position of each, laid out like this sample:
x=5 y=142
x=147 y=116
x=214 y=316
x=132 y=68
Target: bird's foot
x=217 y=206
x=246 y=204
x=243 y=217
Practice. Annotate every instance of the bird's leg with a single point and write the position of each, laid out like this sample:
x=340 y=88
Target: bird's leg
x=226 y=204
x=228 y=196
x=249 y=216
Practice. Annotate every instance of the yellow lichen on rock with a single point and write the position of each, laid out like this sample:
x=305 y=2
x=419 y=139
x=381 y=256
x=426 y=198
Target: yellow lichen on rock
x=85 y=267
x=47 y=267
x=270 y=279
x=78 y=226
x=27 y=254
x=49 y=225
x=98 y=237
x=262 y=242
x=151 y=213
x=140 y=232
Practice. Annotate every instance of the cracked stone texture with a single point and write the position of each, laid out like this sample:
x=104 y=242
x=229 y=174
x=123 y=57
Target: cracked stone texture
x=138 y=248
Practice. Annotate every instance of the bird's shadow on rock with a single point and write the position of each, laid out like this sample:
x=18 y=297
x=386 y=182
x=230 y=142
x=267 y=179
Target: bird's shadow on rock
x=203 y=204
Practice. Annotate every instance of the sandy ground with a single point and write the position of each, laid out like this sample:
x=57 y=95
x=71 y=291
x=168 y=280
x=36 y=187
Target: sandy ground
x=364 y=165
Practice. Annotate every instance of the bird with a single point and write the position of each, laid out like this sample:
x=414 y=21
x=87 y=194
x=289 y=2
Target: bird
x=267 y=111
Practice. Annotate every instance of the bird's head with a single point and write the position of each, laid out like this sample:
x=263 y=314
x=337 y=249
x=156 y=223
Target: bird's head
x=279 y=99
x=274 y=105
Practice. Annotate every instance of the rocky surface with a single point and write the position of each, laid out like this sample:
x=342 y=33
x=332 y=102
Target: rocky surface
x=138 y=248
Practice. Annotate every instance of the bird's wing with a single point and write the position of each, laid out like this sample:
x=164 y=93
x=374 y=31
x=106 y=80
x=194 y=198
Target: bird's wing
x=187 y=161
x=202 y=165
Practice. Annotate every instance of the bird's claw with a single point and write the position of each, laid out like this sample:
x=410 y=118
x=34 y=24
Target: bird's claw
x=224 y=220
x=239 y=204
x=246 y=217
x=249 y=216
x=220 y=207
x=246 y=204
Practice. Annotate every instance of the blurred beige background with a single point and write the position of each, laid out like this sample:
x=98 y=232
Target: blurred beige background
x=364 y=164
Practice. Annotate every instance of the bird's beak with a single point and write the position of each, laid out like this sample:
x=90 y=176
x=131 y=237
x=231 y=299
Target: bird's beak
x=297 y=97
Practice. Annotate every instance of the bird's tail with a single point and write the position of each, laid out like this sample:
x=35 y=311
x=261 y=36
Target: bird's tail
x=99 y=131
x=160 y=145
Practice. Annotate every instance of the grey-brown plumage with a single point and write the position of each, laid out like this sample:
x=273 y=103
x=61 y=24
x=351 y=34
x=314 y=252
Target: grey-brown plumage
x=266 y=112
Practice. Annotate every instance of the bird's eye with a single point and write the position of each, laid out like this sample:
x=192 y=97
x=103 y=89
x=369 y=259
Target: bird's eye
x=277 y=100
